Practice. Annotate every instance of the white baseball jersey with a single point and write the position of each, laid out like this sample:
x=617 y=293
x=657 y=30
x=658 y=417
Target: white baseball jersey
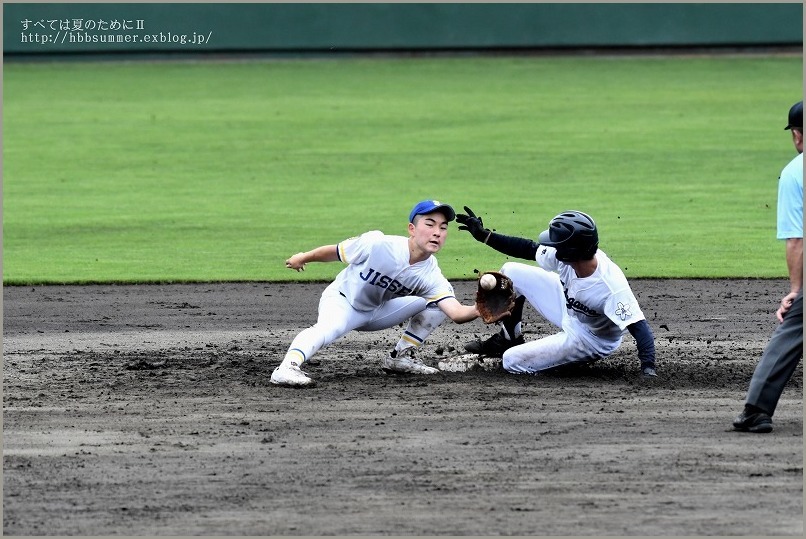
x=603 y=302
x=378 y=270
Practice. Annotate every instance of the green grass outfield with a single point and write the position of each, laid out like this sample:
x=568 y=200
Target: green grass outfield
x=195 y=171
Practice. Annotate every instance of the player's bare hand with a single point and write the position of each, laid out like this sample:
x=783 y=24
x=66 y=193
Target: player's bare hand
x=296 y=262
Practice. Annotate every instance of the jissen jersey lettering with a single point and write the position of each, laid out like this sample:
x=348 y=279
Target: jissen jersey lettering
x=375 y=278
x=378 y=270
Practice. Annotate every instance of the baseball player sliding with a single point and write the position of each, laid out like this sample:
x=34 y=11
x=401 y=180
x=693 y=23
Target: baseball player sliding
x=576 y=287
x=388 y=280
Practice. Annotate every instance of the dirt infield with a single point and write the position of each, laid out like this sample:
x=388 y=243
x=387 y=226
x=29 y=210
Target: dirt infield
x=147 y=410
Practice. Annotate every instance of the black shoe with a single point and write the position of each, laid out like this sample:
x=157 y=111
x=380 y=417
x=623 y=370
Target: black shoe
x=757 y=422
x=648 y=371
x=495 y=346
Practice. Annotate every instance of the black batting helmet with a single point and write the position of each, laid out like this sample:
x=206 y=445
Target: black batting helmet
x=573 y=234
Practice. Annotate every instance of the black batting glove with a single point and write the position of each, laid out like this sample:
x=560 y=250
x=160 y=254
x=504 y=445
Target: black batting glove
x=473 y=224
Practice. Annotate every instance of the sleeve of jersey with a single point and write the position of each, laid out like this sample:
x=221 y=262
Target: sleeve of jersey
x=442 y=289
x=546 y=258
x=622 y=309
x=356 y=249
x=790 y=206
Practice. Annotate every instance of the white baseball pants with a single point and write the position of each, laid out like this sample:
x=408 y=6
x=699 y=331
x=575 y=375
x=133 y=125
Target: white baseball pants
x=574 y=344
x=337 y=318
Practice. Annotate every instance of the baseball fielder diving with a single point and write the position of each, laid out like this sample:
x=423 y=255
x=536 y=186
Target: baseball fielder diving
x=388 y=280
x=576 y=287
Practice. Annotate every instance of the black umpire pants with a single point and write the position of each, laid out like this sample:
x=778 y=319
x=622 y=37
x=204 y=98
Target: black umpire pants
x=779 y=360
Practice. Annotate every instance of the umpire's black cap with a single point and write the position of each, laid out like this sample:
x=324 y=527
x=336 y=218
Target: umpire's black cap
x=796 y=116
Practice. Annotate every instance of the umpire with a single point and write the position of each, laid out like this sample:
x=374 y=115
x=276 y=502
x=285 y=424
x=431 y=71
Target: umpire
x=785 y=348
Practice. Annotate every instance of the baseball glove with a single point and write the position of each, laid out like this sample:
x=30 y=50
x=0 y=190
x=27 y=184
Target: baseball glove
x=497 y=302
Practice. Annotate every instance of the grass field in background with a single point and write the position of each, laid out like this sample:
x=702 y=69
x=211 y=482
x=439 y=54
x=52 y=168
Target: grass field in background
x=195 y=171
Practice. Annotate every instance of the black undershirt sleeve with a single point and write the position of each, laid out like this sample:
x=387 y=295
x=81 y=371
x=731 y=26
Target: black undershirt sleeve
x=645 y=342
x=512 y=246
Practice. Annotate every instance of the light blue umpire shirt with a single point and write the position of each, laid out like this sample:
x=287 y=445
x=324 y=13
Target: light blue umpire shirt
x=790 y=200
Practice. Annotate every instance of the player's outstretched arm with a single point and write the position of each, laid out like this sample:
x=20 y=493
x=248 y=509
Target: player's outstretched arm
x=457 y=312
x=645 y=342
x=325 y=253
x=523 y=248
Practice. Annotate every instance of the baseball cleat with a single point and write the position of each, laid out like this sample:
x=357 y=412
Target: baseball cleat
x=758 y=422
x=495 y=346
x=406 y=363
x=291 y=376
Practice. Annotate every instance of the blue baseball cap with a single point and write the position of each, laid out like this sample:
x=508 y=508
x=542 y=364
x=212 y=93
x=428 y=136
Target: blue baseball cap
x=429 y=206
